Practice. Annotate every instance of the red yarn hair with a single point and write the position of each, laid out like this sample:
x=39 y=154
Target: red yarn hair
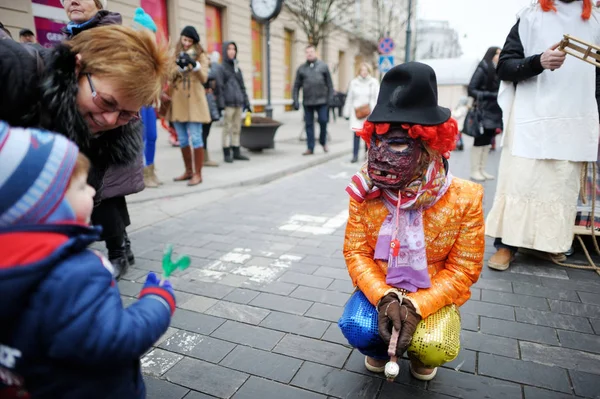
x=440 y=138
x=548 y=5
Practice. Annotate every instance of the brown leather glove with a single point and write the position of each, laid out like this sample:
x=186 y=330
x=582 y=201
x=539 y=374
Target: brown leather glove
x=402 y=315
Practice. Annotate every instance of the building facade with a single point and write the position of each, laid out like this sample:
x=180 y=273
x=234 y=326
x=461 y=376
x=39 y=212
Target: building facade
x=436 y=39
x=351 y=41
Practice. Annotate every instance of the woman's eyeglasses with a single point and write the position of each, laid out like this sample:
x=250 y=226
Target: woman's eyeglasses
x=109 y=106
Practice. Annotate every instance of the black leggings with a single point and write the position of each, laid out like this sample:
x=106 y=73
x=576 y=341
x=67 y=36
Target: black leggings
x=205 y=133
x=485 y=138
x=113 y=216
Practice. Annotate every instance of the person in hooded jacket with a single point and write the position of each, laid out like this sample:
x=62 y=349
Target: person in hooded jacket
x=189 y=109
x=111 y=211
x=214 y=73
x=86 y=92
x=483 y=88
x=65 y=333
x=234 y=100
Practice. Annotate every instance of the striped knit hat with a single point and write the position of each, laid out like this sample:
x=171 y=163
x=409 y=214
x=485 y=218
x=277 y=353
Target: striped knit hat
x=35 y=170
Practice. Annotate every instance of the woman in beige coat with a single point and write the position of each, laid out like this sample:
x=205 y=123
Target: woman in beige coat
x=189 y=109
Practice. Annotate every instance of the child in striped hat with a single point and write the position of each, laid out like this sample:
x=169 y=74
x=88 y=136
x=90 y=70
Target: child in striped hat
x=65 y=333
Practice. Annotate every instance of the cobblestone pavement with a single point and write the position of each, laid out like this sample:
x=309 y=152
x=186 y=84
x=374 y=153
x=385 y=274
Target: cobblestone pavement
x=257 y=310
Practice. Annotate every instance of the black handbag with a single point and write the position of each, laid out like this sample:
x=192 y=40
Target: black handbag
x=215 y=115
x=473 y=125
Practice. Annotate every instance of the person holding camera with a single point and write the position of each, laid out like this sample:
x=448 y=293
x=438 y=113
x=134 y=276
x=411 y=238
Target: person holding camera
x=189 y=109
x=234 y=100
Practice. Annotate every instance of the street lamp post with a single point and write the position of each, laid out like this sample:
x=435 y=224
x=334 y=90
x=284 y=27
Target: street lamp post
x=408 y=33
x=269 y=107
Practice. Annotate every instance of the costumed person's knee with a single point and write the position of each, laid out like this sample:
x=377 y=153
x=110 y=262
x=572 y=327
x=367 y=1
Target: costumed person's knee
x=359 y=322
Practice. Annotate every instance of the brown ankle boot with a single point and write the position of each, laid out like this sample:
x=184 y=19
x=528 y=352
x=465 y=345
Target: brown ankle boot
x=198 y=161
x=186 y=153
x=501 y=259
x=148 y=181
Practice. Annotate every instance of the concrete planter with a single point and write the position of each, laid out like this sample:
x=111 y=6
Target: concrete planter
x=260 y=134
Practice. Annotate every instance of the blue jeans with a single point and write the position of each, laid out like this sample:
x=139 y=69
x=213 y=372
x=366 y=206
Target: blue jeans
x=149 y=120
x=187 y=129
x=309 y=121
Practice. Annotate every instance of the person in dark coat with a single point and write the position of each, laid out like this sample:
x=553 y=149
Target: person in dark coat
x=483 y=88
x=314 y=79
x=65 y=333
x=92 y=102
x=233 y=99
x=111 y=212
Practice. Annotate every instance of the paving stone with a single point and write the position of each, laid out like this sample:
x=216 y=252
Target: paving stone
x=356 y=364
x=134 y=274
x=157 y=362
x=213 y=290
x=259 y=388
x=304 y=279
x=538 y=393
x=489 y=274
x=465 y=361
x=545 y=292
x=395 y=391
x=586 y=384
x=198 y=346
x=197 y=395
x=551 y=319
x=197 y=303
x=575 y=309
x=467 y=386
x=517 y=300
x=324 y=261
x=129 y=288
x=520 y=331
x=264 y=364
x=195 y=322
x=596 y=325
x=342 y=286
x=496 y=285
x=489 y=309
x=338 y=383
x=334 y=334
x=256 y=337
x=278 y=287
x=313 y=350
x=241 y=295
x=332 y=272
x=295 y=324
x=469 y=321
x=590 y=285
x=233 y=280
x=536 y=269
x=206 y=377
x=325 y=312
x=303 y=268
x=319 y=295
x=560 y=357
x=238 y=312
x=281 y=303
x=161 y=389
x=489 y=344
x=584 y=342
x=587 y=297
x=475 y=294
x=168 y=334
x=553 y=378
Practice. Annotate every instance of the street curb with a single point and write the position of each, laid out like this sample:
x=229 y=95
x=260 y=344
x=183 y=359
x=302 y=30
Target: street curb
x=255 y=181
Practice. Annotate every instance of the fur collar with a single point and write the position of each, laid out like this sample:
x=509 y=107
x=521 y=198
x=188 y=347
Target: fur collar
x=60 y=114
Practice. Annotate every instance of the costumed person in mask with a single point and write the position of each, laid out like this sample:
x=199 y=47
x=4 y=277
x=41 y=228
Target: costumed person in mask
x=550 y=105
x=189 y=109
x=415 y=239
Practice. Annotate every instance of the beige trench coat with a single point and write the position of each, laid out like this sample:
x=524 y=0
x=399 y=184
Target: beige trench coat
x=188 y=104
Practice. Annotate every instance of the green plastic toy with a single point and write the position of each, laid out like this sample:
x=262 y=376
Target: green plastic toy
x=182 y=263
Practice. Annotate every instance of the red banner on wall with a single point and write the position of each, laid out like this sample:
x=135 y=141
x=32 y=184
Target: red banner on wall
x=157 y=9
x=214 y=38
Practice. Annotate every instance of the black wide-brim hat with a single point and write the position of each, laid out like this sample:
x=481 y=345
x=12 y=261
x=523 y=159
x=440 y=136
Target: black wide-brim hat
x=408 y=94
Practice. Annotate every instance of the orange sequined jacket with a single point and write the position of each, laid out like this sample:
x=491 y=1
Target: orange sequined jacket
x=454 y=235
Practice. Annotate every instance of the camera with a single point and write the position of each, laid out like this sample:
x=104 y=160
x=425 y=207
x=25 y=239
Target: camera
x=183 y=60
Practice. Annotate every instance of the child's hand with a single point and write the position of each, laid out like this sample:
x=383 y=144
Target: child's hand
x=164 y=291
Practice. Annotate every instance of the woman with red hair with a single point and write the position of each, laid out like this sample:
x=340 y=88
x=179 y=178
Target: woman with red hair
x=414 y=240
x=550 y=109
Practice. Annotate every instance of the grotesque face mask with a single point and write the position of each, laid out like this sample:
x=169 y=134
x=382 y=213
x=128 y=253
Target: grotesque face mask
x=395 y=159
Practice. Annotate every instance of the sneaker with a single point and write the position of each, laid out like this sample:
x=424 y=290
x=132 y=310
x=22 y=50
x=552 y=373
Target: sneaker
x=501 y=259
x=308 y=152
x=422 y=373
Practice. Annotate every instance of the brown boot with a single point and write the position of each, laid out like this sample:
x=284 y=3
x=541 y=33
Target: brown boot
x=198 y=161
x=207 y=161
x=186 y=153
x=153 y=176
x=501 y=259
x=148 y=182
